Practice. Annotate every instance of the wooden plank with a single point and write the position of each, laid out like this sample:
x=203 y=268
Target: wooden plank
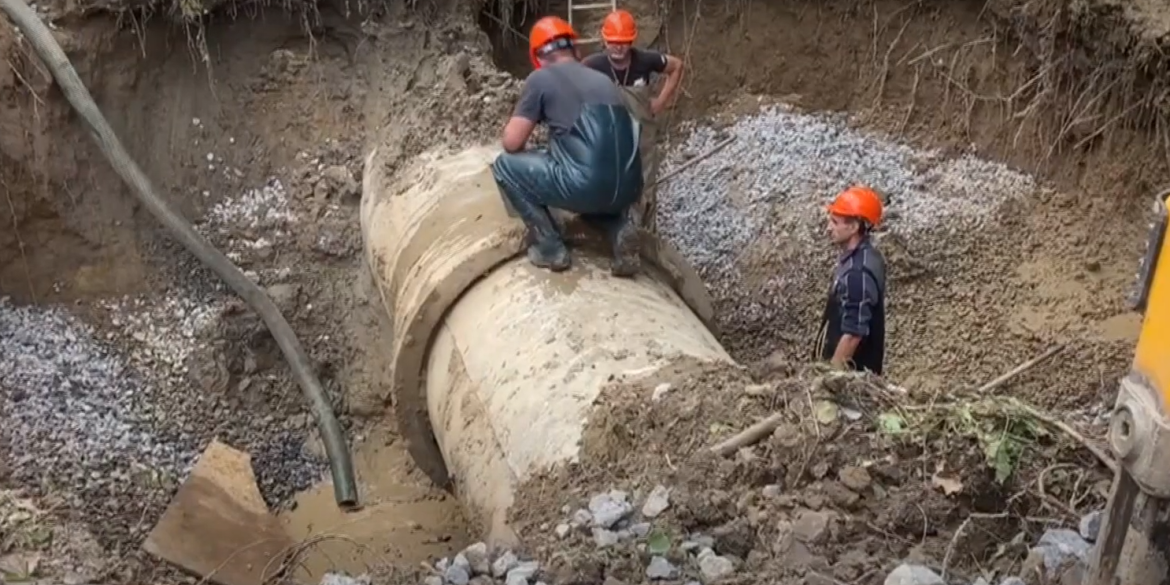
x=217 y=526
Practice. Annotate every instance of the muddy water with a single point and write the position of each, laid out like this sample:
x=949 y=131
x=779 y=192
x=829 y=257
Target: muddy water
x=405 y=519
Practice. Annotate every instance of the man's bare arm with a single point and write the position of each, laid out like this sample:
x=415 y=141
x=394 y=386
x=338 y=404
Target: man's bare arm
x=674 y=75
x=516 y=133
x=846 y=347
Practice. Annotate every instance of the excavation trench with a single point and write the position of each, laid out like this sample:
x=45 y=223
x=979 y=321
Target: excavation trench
x=495 y=365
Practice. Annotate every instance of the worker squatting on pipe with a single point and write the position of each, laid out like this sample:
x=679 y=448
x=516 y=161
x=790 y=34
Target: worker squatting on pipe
x=497 y=362
x=592 y=166
x=46 y=47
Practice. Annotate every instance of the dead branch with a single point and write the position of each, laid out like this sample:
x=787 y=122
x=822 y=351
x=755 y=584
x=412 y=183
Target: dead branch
x=694 y=161
x=885 y=71
x=1020 y=369
x=749 y=436
x=913 y=99
x=19 y=241
x=1104 y=457
x=959 y=532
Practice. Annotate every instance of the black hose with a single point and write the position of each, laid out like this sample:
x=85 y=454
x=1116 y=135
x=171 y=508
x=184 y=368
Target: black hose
x=46 y=47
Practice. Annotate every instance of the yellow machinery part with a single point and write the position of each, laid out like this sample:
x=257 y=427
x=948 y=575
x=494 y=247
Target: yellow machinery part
x=1132 y=548
x=1152 y=355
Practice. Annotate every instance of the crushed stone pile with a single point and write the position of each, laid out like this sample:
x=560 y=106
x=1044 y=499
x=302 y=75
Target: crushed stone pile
x=852 y=479
x=781 y=157
x=474 y=565
x=109 y=406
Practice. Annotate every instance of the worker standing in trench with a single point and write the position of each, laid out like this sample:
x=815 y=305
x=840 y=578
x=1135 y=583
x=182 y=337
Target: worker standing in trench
x=632 y=69
x=853 y=327
x=592 y=166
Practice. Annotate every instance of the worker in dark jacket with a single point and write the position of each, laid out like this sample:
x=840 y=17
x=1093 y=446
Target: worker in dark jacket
x=591 y=167
x=853 y=328
x=633 y=69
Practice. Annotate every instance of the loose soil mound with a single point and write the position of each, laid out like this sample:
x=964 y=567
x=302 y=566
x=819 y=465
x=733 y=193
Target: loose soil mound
x=855 y=475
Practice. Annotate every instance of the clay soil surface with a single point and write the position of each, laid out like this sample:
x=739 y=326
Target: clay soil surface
x=255 y=125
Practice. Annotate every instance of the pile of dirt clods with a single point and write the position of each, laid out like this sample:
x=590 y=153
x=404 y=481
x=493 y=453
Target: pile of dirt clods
x=798 y=474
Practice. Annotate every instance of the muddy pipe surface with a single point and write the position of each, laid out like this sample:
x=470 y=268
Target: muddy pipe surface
x=497 y=363
x=46 y=47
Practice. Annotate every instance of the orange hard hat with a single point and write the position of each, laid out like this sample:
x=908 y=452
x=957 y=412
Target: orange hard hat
x=548 y=30
x=619 y=27
x=858 y=202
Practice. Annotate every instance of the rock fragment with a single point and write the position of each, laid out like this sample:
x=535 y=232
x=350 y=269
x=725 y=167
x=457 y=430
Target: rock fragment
x=604 y=538
x=1060 y=547
x=457 y=574
x=504 y=563
x=1090 y=526
x=714 y=567
x=609 y=508
x=854 y=478
x=907 y=574
x=660 y=569
x=657 y=502
x=522 y=573
x=582 y=518
x=811 y=526
x=340 y=579
x=477 y=558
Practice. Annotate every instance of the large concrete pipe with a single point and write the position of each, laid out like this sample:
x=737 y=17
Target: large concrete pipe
x=497 y=363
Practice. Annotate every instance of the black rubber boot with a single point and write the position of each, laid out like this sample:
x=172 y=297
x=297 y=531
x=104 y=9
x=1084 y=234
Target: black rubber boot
x=627 y=258
x=622 y=233
x=550 y=254
x=546 y=248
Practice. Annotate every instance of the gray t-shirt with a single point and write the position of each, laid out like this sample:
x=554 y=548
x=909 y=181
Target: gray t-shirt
x=639 y=71
x=555 y=94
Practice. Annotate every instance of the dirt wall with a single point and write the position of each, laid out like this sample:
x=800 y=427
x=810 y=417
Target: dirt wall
x=204 y=110
x=1074 y=90
x=969 y=75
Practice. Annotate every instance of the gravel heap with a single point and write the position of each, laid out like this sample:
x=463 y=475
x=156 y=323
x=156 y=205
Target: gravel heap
x=751 y=216
x=611 y=521
x=77 y=411
x=797 y=162
x=248 y=225
x=474 y=565
x=114 y=414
